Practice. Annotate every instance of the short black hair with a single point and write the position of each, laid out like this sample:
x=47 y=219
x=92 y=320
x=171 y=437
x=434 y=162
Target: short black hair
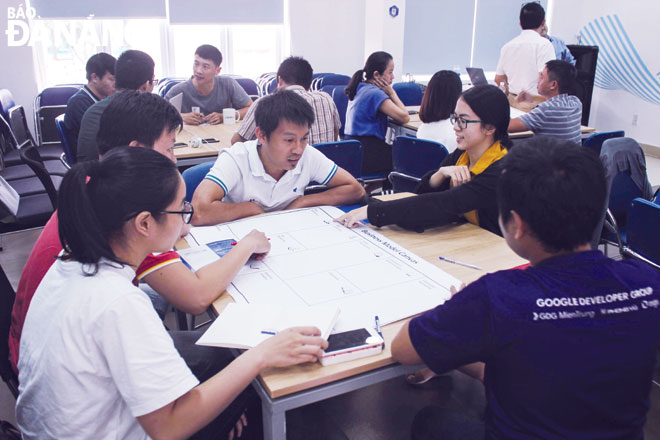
x=99 y=64
x=209 y=52
x=532 y=15
x=440 y=96
x=133 y=68
x=296 y=71
x=564 y=73
x=135 y=116
x=492 y=107
x=282 y=105
x=557 y=188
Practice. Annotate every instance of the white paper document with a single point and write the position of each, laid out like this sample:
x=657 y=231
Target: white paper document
x=515 y=113
x=315 y=261
x=247 y=325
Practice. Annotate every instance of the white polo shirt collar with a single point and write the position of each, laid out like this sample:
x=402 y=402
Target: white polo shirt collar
x=257 y=167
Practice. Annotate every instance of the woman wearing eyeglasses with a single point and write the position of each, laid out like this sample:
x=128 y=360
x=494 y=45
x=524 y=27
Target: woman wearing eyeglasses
x=96 y=361
x=465 y=185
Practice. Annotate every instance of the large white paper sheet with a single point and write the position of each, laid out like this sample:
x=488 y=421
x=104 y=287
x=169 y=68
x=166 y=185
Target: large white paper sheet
x=314 y=261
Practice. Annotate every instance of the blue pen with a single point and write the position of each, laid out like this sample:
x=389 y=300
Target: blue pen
x=378 y=326
x=266 y=332
x=378 y=330
x=460 y=263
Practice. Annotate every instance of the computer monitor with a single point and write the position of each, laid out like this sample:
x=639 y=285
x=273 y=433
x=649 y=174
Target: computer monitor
x=477 y=76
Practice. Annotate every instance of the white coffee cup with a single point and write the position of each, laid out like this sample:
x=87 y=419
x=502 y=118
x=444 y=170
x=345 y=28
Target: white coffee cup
x=230 y=116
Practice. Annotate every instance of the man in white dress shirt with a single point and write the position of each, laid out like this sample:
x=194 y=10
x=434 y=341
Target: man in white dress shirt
x=524 y=57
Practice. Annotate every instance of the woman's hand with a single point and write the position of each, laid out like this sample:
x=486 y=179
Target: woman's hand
x=383 y=85
x=351 y=219
x=259 y=242
x=292 y=346
x=458 y=174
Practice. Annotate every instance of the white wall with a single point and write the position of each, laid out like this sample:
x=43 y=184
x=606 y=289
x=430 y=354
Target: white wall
x=614 y=109
x=384 y=32
x=17 y=71
x=329 y=34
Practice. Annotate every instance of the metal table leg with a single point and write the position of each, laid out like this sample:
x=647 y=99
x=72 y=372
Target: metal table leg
x=274 y=410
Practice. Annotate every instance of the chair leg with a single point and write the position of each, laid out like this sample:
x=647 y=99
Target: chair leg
x=181 y=320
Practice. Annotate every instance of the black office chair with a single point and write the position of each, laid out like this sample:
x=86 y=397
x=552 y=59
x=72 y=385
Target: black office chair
x=31 y=157
x=19 y=125
x=7 y=297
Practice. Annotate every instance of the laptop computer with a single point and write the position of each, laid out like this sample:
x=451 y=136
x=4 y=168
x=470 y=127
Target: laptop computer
x=176 y=101
x=477 y=76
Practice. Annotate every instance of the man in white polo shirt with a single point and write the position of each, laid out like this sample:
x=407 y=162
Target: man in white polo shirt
x=524 y=57
x=272 y=172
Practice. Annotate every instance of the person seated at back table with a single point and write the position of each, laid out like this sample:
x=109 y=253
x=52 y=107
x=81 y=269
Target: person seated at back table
x=209 y=91
x=96 y=360
x=464 y=186
x=371 y=101
x=272 y=172
x=295 y=74
x=100 y=69
x=570 y=343
x=438 y=104
x=560 y=114
x=134 y=70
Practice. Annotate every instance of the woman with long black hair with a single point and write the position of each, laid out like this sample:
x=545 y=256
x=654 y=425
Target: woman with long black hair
x=464 y=187
x=371 y=101
x=96 y=360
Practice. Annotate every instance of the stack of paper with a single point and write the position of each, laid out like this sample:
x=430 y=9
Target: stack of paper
x=247 y=325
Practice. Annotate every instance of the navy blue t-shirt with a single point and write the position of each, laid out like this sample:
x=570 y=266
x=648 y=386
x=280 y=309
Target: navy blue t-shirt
x=569 y=346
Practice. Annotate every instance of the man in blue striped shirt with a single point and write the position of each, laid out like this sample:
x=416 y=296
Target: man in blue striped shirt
x=560 y=114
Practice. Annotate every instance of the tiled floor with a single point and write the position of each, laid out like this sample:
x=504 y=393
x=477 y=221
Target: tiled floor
x=382 y=411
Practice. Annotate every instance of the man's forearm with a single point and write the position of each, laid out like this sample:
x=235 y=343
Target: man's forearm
x=339 y=195
x=220 y=212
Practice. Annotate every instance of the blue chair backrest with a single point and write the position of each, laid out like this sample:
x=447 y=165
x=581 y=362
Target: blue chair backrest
x=341 y=101
x=166 y=88
x=6 y=102
x=346 y=154
x=64 y=136
x=193 y=176
x=330 y=79
x=272 y=86
x=595 y=141
x=58 y=95
x=642 y=229
x=416 y=157
x=264 y=82
x=410 y=93
x=622 y=193
x=248 y=85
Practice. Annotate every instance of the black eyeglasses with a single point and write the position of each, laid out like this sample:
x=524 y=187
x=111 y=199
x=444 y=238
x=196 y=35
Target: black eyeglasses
x=186 y=214
x=462 y=122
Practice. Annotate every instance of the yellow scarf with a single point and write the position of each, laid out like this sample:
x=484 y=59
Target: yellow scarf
x=494 y=153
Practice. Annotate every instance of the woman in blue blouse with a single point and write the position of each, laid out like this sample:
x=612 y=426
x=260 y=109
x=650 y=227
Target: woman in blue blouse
x=371 y=100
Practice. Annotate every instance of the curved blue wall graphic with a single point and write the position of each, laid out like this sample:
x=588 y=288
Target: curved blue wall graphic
x=619 y=64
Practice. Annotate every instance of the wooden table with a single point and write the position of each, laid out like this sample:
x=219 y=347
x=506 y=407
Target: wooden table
x=187 y=156
x=410 y=129
x=282 y=389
